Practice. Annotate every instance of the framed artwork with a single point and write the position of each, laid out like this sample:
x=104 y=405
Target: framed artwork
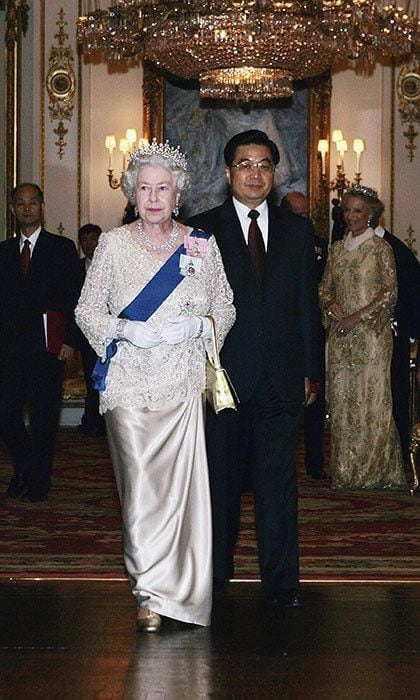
x=173 y=110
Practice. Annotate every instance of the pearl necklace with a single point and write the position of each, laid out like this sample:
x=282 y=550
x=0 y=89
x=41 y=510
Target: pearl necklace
x=150 y=245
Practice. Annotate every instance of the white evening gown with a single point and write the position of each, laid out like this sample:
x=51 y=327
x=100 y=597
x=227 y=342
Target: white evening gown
x=153 y=409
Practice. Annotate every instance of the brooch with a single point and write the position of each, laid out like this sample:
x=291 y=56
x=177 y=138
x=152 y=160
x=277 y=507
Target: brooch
x=196 y=248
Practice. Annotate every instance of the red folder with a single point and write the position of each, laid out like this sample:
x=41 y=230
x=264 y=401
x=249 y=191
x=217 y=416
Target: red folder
x=56 y=330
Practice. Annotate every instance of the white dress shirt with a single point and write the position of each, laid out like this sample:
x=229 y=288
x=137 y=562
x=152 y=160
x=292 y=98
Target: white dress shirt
x=32 y=240
x=242 y=211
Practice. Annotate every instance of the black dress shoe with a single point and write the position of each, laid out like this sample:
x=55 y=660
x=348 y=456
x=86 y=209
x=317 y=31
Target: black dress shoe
x=288 y=599
x=35 y=497
x=17 y=487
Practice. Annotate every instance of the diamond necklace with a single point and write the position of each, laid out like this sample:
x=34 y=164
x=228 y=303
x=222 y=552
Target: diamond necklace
x=150 y=245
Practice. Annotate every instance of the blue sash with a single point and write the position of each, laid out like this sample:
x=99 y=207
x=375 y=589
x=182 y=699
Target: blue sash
x=148 y=300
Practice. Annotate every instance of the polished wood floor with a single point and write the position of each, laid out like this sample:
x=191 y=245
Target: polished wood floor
x=77 y=640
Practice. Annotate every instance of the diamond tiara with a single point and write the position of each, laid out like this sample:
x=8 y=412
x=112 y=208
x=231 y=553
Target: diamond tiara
x=361 y=189
x=165 y=150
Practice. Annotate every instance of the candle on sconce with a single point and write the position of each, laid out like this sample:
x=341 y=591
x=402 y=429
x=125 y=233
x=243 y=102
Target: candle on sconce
x=341 y=146
x=337 y=135
x=358 y=148
x=323 y=150
x=110 y=144
x=124 y=148
x=131 y=136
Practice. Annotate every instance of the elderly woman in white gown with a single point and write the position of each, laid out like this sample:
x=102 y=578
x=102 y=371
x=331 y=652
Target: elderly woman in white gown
x=144 y=308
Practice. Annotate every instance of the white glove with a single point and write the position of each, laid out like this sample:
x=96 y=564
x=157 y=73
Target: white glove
x=141 y=333
x=183 y=328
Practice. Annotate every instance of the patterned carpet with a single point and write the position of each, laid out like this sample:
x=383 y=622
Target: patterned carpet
x=345 y=536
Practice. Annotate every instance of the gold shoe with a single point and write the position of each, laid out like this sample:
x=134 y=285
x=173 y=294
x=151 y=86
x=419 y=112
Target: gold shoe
x=150 y=623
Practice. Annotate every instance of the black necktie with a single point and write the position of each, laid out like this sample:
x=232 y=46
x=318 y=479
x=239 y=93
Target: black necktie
x=25 y=256
x=256 y=244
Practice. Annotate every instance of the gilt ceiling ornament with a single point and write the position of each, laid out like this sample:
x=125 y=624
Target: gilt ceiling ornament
x=248 y=50
x=409 y=98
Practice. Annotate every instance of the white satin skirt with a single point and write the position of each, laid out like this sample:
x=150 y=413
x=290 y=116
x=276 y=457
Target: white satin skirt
x=160 y=466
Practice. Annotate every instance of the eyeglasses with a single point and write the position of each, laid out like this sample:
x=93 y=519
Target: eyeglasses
x=264 y=165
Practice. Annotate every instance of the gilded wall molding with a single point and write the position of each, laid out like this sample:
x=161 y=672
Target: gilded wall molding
x=153 y=104
x=79 y=133
x=16 y=24
x=409 y=98
x=392 y=149
x=61 y=83
x=319 y=128
x=17 y=19
x=60 y=131
x=42 y=96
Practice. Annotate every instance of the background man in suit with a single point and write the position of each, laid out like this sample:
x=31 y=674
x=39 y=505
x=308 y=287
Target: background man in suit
x=39 y=283
x=313 y=415
x=92 y=422
x=271 y=355
x=406 y=324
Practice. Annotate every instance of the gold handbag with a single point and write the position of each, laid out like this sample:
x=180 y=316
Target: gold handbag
x=220 y=392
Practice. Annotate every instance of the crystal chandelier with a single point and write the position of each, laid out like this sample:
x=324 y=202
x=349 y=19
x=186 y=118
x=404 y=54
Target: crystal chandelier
x=248 y=50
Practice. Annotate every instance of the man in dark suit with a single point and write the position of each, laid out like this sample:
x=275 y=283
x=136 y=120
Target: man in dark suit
x=39 y=282
x=313 y=415
x=271 y=355
x=406 y=324
x=92 y=422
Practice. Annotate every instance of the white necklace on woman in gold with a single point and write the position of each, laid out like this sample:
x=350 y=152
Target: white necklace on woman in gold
x=150 y=245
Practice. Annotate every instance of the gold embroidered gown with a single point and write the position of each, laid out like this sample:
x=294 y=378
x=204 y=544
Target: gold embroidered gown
x=365 y=448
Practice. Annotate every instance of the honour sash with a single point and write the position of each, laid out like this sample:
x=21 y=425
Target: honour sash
x=144 y=305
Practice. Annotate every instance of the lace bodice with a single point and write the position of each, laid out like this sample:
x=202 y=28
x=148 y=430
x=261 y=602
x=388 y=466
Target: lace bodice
x=165 y=373
x=361 y=280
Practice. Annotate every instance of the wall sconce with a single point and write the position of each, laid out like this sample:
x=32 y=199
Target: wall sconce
x=340 y=183
x=126 y=145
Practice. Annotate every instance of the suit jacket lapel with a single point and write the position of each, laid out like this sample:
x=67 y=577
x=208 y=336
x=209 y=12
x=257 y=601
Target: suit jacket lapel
x=231 y=231
x=15 y=256
x=275 y=238
x=232 y=238
x=40 y=253
x=16 y=248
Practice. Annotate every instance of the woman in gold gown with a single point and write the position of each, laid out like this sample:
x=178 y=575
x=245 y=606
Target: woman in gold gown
x=357 y=295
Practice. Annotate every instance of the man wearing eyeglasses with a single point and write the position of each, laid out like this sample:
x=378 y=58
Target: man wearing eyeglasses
x=271 y=355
